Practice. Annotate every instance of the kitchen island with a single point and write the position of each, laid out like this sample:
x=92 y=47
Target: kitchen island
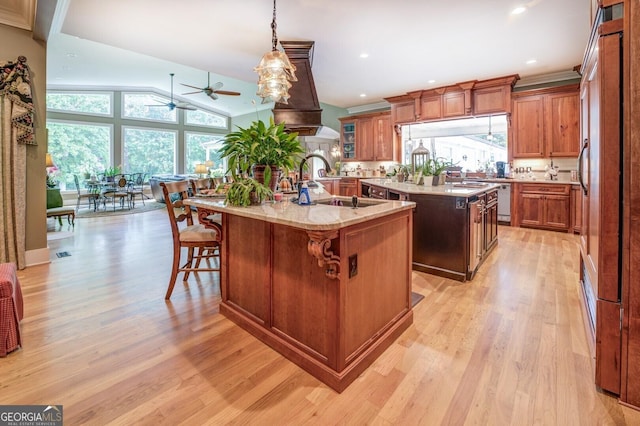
x=310 y=281
x=455 y=225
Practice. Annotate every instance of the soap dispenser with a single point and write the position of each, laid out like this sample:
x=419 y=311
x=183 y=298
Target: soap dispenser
x=304 y=199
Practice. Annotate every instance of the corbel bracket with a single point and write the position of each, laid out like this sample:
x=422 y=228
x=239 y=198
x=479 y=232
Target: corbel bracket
x=319 y=246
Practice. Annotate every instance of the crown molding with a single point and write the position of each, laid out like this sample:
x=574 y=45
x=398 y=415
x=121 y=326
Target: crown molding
x=547 y=78
x=18 y=13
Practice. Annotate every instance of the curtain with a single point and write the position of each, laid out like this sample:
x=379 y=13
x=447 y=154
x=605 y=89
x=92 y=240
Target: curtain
x=16 y=132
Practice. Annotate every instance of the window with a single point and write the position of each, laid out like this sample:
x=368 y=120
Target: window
x=465 y=142
x=202 y=147
x=79 y=148
x=94 y=103
x=150 y=151
x=204 y=118
x=147 y=106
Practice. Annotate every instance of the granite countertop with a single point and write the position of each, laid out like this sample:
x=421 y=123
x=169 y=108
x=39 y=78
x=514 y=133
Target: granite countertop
x=522 y=180
x=319 y=217
x=448 y=189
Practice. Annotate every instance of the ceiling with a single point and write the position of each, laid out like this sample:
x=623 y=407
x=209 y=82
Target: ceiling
x=411 y=44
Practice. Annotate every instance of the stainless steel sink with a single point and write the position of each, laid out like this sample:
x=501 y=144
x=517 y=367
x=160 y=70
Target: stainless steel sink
x=346 y=202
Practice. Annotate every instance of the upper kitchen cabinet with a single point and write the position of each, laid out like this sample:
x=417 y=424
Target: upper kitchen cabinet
x=545 y=123
x=449 y=102
x=367 y=137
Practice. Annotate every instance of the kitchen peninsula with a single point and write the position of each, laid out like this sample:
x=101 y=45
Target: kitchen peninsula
x=309 y=281
x=455 y=225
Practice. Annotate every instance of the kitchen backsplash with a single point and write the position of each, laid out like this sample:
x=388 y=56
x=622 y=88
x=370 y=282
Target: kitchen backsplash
x=565 y=166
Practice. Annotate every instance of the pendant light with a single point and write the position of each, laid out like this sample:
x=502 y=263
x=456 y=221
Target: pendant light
x=275 y=71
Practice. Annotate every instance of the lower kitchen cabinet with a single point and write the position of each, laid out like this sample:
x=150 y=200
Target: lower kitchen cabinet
x=349 y=187
x=544 y=206
x=491 y=220
x=330 y=185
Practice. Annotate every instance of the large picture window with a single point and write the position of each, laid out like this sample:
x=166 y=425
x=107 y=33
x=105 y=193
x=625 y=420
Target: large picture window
x=204 y=118
x=150 y=151
x=94 y=103
x=200 y=148
x=147 y=106
x=79 y=149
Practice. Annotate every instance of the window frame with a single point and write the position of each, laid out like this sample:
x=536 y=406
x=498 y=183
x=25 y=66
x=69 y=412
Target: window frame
x=111 y=95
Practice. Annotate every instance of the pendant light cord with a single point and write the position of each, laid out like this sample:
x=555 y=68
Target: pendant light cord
x=274 y=37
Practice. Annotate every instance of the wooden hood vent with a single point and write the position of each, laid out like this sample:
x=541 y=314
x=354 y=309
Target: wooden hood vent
x=303 y=113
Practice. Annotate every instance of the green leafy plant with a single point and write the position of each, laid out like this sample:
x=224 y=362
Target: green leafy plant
x=112 y=171
x=261 y=144
x=245 y=191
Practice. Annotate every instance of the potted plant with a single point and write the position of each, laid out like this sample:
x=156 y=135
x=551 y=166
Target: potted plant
x=437 y=168
x=246 y=191
x=266 y=149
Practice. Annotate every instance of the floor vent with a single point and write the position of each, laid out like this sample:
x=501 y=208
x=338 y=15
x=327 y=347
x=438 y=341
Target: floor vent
x=63 y=254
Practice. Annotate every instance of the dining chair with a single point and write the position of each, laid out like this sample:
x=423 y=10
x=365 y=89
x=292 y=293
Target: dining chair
x=91 y=195
x=136 y=187
x=119 y=191
x=202 y=243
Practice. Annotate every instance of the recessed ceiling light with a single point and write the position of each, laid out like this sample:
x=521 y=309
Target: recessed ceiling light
x=364 y=55
x=431 y=81
x=71 y=55
x=363 y=95
x=518 y=10
x=531 y=61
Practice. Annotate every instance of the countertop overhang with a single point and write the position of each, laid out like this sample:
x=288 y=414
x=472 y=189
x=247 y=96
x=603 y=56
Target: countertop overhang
x=317 y=217
x=448 y=189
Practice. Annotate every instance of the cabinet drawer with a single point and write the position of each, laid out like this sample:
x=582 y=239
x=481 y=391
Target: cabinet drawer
x=537 y=188
x=380 y=193
x=492 y=197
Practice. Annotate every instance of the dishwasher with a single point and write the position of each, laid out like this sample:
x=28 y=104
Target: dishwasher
x=504 y=203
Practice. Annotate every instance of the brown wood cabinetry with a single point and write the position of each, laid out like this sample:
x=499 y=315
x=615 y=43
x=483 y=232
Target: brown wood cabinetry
x=453 y=105
x=491 y=220
x=367 y=137
x=544 y=206
x=576 y=208
x=349 y=187
x=330 y=185
x=458 y=100
x=545 y=123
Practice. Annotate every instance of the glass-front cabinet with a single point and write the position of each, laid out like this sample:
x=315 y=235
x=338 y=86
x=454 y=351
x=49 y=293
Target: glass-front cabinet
x=348 y=138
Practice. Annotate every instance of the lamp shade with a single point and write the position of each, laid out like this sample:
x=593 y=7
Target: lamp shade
x=48 y=162
x=201 y=169
x=209 y=164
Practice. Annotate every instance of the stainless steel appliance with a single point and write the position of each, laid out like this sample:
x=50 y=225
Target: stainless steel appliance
x=500 y=169
x=504 y=203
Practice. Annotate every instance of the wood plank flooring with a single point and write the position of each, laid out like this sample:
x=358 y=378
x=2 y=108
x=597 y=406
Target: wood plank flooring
x=508 y=348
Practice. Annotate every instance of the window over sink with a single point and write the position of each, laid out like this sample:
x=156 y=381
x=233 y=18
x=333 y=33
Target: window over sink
x=474 y=144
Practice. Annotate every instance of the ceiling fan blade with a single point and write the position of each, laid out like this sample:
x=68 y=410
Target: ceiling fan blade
x=227 y=92
x=213 y=95
x=193 y=87
x=216 y=86
x=191 y=93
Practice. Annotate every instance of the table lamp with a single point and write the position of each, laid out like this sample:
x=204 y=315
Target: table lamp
x=201 y=169
x=48 y=161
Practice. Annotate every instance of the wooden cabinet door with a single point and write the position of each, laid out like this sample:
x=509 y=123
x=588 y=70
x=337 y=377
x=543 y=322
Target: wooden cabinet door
x=453 y=104
x=404 y=112
x=431 y=107
x=491 y=100
x=364 y=140
x=531 y=209
x=556 y=211
x=528 y=131
x=348 y=139
x=383 y=138
x=562 y=118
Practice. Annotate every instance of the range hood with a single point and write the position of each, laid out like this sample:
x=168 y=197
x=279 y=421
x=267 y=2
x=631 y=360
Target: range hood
x=303 y=113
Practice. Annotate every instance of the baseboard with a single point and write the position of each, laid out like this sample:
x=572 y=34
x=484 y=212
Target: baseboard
x=37 y=257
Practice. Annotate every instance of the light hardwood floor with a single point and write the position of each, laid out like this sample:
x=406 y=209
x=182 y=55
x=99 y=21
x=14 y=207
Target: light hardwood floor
x=507 y=348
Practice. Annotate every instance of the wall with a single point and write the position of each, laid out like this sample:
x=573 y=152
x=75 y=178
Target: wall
x=17 y=42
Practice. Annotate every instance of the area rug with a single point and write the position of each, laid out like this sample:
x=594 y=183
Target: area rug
x=148 y=206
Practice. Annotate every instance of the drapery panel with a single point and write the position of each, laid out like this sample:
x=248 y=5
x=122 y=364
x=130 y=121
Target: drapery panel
x=16 y=132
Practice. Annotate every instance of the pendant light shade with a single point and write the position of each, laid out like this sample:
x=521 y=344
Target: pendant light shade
x=275 y=71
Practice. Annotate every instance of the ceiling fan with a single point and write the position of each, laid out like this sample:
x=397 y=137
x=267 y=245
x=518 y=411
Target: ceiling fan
x=209 y=90
x=172 y=105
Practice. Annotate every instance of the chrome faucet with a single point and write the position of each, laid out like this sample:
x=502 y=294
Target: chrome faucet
x=304 y=161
